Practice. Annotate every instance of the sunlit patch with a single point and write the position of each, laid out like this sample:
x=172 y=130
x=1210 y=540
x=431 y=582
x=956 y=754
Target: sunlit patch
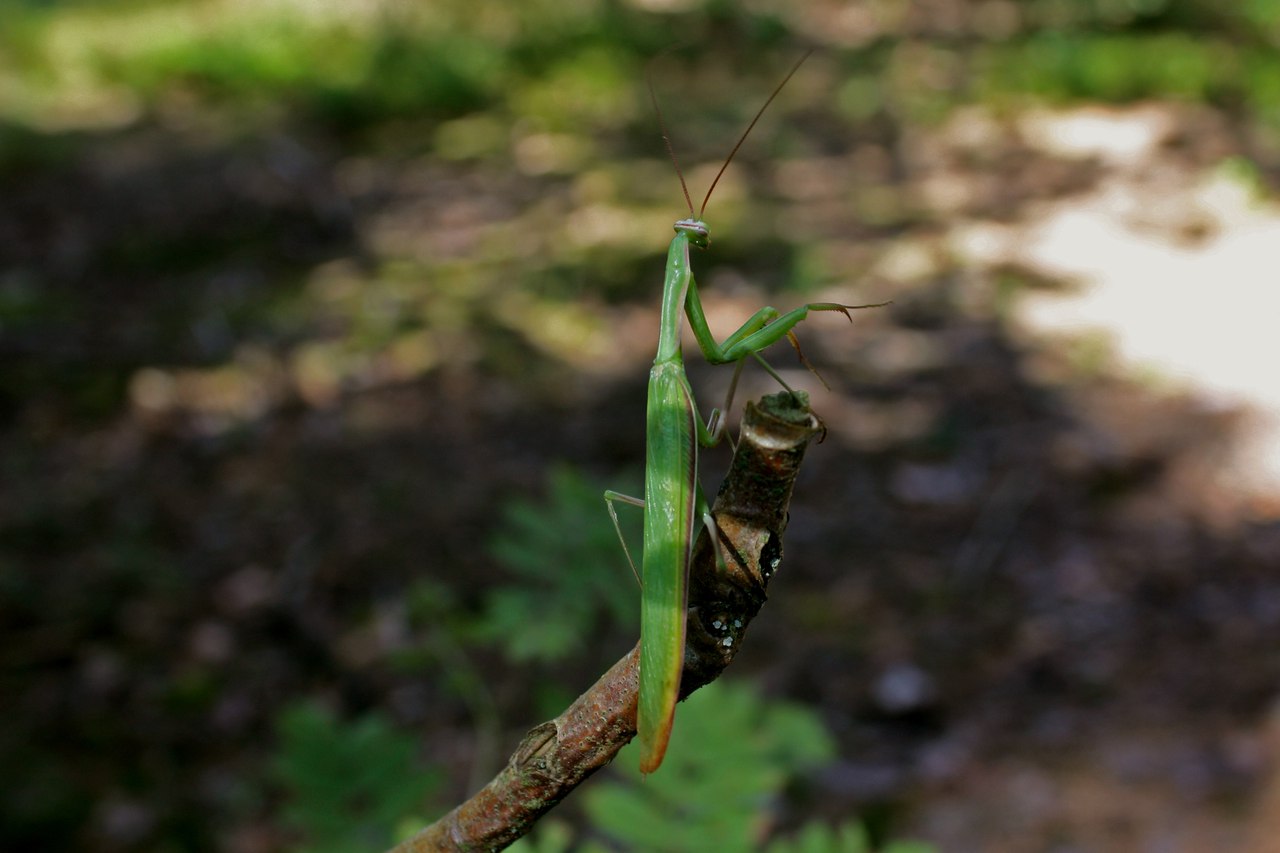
x=667 y=6
x=316 y=371
x=218 y=398
x=546 y=153
x=1172 y=271
x=472 y=136
x=1121 y=137
x=575 y=333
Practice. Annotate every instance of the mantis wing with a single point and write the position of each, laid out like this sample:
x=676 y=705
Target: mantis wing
x=670 y=493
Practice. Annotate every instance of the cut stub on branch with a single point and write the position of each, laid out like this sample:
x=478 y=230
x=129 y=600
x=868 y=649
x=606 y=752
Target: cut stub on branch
x=556 y=756
x=751 y=514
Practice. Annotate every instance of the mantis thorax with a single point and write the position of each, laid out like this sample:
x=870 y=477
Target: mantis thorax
x=696 y=230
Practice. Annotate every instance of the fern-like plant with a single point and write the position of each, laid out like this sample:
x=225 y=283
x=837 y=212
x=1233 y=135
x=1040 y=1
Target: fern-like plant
x=561 y=552
x=348 y=784
x=729 y=761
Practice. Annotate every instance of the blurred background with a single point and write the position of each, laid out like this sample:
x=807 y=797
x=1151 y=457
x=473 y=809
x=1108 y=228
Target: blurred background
x=324 y=324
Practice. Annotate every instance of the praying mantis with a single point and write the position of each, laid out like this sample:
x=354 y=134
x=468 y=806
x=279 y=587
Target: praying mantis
x=673 y=501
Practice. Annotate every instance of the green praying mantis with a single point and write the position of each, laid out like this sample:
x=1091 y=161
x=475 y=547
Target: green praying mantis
x=673 y=501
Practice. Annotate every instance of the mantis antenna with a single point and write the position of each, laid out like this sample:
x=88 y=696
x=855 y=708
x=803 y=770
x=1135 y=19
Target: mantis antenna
x=666 y=138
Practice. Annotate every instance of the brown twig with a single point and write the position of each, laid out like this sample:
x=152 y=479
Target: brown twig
x=555 y=757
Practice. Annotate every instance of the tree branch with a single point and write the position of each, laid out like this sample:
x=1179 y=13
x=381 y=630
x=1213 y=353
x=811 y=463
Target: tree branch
x=556 y=756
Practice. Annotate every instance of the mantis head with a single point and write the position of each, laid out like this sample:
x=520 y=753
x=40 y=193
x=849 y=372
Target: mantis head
x=696 y=230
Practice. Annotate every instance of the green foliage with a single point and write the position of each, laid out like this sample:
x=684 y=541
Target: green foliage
x=550 y=836
x=569 y=571
x=572 y=67
x=1244 y=173
x=581 y=90
x=731 y=755
x=366 y=77
x=349 y=783
x=1112 y=67
x=847 y=838
x=1264 y=15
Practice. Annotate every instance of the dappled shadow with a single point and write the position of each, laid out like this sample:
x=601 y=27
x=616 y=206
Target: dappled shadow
x=153 y=246
x=1001 y=562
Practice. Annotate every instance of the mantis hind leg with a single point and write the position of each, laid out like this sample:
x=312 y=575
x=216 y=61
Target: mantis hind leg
x=703 y=509
x=609 y=497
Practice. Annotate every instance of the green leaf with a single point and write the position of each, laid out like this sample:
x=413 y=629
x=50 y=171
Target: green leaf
x=730 y=756
x=348 y=783
x=910 y=847
x=550 y=836
x=819 y=838
x=569 y=573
